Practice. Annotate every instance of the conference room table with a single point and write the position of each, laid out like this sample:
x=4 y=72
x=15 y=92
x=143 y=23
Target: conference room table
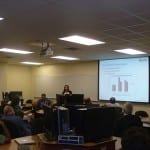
x=109 y=144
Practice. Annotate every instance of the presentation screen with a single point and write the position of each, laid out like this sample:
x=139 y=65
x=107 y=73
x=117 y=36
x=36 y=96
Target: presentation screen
x=125 y=79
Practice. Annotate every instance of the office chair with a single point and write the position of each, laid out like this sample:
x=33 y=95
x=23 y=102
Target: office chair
x=141 y=113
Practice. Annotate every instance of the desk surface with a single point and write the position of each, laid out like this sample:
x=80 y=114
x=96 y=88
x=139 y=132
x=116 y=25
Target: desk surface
x=109 y=144
x=14 y=146
x=53 y=144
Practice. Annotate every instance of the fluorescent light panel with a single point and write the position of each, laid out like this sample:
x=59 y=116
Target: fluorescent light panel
x=65 y=58
x=81 y=40
x=14 y=51
x=31 y=63
x=130 y=51
x=1 y=18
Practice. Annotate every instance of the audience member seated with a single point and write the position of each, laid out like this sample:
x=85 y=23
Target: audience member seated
x=4 y=133
x=66 y=90
x=135 y=138
x=28 y=105
x=87 y=100
x=29 y=101
x=22 y=127
x=112 y=103
x=15 y=103
x=42 y=101
x=126 y=121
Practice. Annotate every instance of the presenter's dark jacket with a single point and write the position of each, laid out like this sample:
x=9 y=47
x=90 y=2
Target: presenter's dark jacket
x=125 y=122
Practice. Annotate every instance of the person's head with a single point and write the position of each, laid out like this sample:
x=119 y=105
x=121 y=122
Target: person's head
x=66 y=87
x=128 y=108
x=43 y=95
x=8 y=110
x=112 y=100
x=87 y=100
x=135 y=138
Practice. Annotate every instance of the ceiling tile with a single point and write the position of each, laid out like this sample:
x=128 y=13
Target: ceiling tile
x=127 y=21
x=140 y=28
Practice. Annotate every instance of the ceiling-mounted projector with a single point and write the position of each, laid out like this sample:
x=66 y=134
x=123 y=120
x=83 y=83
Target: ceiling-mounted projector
x=46 y=51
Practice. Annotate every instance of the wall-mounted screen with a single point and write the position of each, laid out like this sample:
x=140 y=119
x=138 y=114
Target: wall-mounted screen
x=125 y=79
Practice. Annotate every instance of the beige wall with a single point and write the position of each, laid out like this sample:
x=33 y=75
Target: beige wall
x=3 y=78
x=82 y=78
x=16 y=78
x=19 y=79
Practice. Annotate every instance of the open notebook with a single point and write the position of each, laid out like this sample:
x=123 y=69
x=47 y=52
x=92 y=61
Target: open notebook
x=25 y=140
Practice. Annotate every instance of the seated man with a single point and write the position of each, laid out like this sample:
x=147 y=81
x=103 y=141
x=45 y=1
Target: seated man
x=42 y=101
x=126 y=121
x=4 y=133
x=87 y=100
x=9 y=115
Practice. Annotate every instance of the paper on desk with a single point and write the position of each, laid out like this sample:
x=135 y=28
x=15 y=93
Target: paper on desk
x=25 y=140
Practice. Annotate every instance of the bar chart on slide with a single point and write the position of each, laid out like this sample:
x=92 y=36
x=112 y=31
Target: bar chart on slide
x=120 y=86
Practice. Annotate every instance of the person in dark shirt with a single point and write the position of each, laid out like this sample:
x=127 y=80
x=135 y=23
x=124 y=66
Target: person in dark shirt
x=22 y=127
x=15 y=103
x=42 y=101
x=136 y=138
x=126 y=121
x=66 y=90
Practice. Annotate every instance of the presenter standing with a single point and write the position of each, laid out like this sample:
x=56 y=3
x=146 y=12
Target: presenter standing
x=66 y=90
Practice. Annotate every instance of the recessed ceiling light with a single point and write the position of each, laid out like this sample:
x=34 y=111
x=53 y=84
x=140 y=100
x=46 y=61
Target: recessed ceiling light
x=31 y=63
x=130 y=51
x=81 y=40
x=65 y=58
x=14 y=51
x=1 y=18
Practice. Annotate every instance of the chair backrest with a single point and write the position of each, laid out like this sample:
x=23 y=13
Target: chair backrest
x=126 y=122
x=95 y=123
x=118 y=112
x=141 y=113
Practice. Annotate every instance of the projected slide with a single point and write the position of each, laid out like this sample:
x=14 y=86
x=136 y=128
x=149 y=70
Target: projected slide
x=124 y=79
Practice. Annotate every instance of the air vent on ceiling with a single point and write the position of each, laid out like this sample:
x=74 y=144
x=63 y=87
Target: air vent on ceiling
x=72 y=48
